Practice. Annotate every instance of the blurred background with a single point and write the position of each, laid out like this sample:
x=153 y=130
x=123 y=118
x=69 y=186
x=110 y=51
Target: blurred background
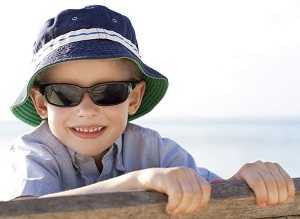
x=233 y=68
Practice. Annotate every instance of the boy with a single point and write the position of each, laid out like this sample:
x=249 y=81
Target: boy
x=88 y=82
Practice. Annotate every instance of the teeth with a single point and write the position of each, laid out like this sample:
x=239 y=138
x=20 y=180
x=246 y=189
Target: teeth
x=90 y=130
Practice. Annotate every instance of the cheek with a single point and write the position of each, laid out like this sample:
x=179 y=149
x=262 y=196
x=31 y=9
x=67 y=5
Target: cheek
x=117 y=115
x=57 y=117
x=57 y=113
x=118 y=112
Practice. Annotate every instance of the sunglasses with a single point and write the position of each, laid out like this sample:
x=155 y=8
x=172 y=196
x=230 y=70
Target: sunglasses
x=103 y=94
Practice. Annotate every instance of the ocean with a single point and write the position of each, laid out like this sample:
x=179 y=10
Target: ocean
x=221 y=145
x=224 y=145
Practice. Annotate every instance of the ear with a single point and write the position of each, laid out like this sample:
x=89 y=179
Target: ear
x=136 y=97
x=39 y=102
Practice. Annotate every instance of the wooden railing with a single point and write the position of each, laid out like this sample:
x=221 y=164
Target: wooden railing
x=229 y=200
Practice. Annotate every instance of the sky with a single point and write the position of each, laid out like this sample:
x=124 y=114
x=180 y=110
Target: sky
x=222 y=58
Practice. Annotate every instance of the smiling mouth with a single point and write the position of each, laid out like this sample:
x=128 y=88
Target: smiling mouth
x=88 y=132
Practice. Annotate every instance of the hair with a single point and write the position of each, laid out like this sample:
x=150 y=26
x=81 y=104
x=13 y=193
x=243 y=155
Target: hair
x=136 y=74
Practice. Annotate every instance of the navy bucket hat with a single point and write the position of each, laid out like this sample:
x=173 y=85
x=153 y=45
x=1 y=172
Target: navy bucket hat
x=93 y=32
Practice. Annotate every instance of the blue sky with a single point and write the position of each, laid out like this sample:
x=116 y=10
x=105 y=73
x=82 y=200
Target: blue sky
x=223 y=58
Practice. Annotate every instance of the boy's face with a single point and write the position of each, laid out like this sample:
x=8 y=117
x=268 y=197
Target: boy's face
x=87 y=128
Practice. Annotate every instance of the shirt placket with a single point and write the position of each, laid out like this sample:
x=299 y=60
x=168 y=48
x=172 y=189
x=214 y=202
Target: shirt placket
x=87 y=169
x=107 y=164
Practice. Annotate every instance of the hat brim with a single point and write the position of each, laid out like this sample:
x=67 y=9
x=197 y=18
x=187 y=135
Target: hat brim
x=156 y=83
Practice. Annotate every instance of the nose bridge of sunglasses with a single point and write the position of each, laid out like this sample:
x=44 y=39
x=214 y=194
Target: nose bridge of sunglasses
x=86 y=108
x=86 y=100
x=86 y=92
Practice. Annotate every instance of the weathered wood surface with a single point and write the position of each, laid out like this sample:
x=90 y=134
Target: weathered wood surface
x=229 y=200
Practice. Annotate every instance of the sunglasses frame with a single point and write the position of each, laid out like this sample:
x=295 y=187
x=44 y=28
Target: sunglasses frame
x=131 y=86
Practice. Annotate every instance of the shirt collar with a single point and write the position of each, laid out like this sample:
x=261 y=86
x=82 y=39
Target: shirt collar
x=119 y=157
x=45 y=135
x=79 y=159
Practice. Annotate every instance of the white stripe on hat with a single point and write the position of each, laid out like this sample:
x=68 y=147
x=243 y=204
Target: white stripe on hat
x=81 y=35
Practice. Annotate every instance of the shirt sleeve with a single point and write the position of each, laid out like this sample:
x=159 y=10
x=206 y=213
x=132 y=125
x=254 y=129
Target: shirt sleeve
x=34 y=172
x=172 y=155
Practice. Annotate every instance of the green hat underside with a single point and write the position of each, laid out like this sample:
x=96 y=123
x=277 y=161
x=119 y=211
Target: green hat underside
x=156 y=87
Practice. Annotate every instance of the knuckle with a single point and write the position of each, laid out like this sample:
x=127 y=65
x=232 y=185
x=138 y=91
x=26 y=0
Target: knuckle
x=247 y=165
x=269 y=163
x=259 y=162
x=279 y=168
x=289 y=179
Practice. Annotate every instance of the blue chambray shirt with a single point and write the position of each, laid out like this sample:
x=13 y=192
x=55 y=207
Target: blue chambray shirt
x=42 y=165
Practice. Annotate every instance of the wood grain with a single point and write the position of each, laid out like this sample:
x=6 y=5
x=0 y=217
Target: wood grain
x=229 y=200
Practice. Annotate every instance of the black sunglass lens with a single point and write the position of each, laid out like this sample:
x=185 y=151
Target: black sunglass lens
x=63 y=95
x=110 y=94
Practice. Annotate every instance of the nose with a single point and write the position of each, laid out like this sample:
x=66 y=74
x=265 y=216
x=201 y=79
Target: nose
x=87 y=108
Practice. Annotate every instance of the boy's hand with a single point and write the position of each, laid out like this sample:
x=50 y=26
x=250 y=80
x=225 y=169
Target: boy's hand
x=187 y=192
x=270 y=183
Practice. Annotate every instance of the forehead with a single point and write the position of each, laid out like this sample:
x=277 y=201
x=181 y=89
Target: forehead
x=89 y=72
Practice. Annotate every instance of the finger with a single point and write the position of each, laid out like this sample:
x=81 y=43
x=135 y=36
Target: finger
x=188 y=189
x=197 y=193
x=270 y=182
x=289 y=181
x=282 y=186
x=174 y=193
x=205 y=188
x=205 y=191
x=256 y=183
